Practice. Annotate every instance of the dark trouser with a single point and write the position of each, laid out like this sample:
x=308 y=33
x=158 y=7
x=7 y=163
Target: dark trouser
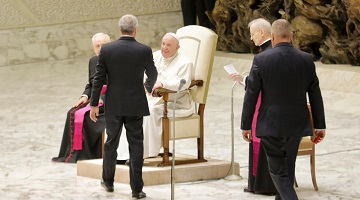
x=281 y=154
x=135 y=137
x=197 y=8
x=261 y=182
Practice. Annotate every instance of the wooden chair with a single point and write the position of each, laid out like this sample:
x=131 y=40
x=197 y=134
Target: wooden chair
x=198 y=44
x=307 y=148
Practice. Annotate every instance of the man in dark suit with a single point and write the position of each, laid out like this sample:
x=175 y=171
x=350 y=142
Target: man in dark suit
x=124 y=62
x=284 y=75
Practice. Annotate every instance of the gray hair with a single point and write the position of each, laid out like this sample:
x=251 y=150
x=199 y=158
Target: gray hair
x=281 y=28
x=100 y=36
x=127 y=24
x=261 y=23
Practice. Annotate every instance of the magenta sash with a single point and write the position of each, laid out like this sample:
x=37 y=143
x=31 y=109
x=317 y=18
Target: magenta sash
x=79 y=121
x=255 y=140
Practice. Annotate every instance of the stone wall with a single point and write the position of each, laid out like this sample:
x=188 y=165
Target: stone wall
x=43 y=30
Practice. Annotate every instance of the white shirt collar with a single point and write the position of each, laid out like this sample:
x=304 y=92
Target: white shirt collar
x=265 y=41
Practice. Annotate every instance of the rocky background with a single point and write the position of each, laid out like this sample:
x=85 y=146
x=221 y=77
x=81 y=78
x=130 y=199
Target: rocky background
x=328 y=29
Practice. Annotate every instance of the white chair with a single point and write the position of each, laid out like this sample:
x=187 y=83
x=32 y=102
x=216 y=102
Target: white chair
x=198 y=44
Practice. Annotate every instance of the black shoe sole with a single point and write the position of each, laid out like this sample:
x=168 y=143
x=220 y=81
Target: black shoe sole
x=139 y=196
x=108 y=189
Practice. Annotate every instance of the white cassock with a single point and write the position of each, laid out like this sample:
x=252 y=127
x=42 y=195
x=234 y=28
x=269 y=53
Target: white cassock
x=170 y=72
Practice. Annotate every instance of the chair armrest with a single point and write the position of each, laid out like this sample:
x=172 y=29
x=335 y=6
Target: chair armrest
x=196 y=83
x=159 y=92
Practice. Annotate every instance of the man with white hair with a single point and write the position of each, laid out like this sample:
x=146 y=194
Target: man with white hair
x=259 y=181
x=84 y=142
x=260 y=34
x=171 y=66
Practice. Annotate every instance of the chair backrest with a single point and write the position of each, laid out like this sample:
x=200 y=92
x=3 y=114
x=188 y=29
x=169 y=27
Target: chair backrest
x=199 y=44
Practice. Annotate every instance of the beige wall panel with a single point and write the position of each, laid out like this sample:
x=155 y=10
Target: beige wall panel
x=44 y=30
x=71 y=40
x=20 y=13
x=11 y=16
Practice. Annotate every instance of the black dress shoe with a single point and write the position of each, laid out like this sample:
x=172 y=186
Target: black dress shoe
x=108 y=187
x=247 y=190
x=139 y=195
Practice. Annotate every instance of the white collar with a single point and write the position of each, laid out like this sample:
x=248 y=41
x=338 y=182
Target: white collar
x=265 y=41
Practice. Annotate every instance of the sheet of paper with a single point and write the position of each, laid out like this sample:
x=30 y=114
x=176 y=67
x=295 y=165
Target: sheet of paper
x=230 y=69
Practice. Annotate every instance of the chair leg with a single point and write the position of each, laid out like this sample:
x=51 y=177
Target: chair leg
x=200 y=141
x=165 y=140
x=312 y=166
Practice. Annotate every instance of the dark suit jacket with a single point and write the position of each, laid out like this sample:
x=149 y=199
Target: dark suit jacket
x=124 y=62
x=92 y=64
x=284 y=75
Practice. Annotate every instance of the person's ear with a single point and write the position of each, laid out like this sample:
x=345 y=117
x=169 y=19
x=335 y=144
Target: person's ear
x=135 y=32
x=272 y=39
x=262 y=33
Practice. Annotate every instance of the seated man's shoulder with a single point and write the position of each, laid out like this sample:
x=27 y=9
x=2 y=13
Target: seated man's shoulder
x=94 y=59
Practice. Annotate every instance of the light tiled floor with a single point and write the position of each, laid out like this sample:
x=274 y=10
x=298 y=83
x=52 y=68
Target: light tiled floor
x=36 y=97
